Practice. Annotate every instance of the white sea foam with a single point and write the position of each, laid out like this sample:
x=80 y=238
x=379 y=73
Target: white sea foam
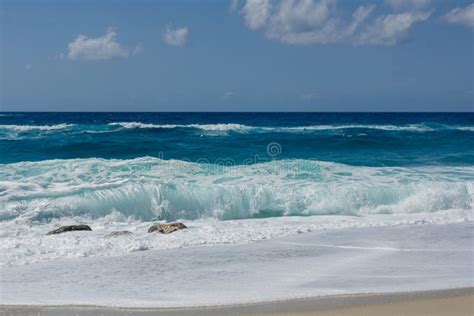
x=330 y=262
x=23 y=243
x=224 y=128
x=146 y=188
x=408 y=127
x=463 y=128
x=240 y=127
x=206 y=127
x=28 y=128
x=285 y=129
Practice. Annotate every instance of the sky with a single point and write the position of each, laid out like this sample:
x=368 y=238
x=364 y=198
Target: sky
x=239 y=55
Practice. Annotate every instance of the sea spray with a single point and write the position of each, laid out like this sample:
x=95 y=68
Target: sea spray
x=148 y=188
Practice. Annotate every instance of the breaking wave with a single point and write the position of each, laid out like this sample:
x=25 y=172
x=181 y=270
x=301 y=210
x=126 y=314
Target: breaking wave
x=284 y=129
x=220 y=128
x=149 y=188
x=206 y=127
x=28 y=128
x=246 y=128
x=409 y=127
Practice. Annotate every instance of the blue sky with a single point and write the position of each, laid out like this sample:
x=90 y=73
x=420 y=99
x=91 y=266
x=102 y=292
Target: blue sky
x=247 y=55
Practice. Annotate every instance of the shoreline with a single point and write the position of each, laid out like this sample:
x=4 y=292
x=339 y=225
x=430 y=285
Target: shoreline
x=332 y=268
x=200 y=233
x=320 y=305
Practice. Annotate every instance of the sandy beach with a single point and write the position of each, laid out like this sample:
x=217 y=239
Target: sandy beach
x=316 y=273
x=441 y=302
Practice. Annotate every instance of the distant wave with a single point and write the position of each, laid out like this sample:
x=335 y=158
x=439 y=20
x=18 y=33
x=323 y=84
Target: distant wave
x=464 y=128
x=28 y=128
x=409 y=127
x=206 y=127
x=147 y=188
x=245 y=128
x=240 y=127
x=224 y=128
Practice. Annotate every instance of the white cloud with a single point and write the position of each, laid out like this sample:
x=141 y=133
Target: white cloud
x=256 y=13
x=99 y=48
x=306 y=22
x=176 y=37
x=28 y=67
x=408 y=4
x=463 y=16
x=390 y=29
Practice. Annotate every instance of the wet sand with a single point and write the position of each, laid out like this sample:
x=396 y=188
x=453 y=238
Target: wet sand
x=440 y=302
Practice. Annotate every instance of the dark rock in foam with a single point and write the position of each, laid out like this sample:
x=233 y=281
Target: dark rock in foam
x=69 y=228
x=166 y=228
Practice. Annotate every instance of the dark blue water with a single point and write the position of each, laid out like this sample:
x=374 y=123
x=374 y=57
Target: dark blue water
x=363 y=139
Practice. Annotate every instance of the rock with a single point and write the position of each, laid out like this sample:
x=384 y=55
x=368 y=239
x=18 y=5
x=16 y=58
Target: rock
x=166 y=228
x=69 y=228
x=118 y=233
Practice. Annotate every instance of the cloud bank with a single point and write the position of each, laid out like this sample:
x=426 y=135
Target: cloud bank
x=99 y=48
x=311 y=22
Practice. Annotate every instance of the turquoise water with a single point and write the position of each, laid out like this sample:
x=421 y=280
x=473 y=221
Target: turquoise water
x=233 y=165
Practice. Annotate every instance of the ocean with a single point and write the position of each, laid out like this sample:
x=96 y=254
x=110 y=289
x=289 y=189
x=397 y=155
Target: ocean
x=355 y=139
x=239 y=177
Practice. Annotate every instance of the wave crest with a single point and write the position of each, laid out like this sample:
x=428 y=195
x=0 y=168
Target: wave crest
x=29 y=128
x=206 y=127
x=288 y=129
x=148 y=188
x=224 y=128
